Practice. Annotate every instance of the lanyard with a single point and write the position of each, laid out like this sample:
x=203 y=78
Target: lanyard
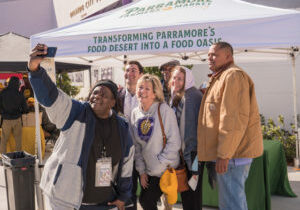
x=104 y=133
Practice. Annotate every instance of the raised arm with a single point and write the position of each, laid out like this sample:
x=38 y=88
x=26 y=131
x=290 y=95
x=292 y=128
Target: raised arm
x=60 y=108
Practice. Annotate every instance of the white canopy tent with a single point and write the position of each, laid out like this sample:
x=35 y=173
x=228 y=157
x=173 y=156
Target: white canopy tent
x=148 y=29
x=14 y=53
x=156 y=31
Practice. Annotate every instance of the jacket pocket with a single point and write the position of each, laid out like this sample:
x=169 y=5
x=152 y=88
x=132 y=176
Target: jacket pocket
x=155 y=167
x=212 y=114
x=67 y=184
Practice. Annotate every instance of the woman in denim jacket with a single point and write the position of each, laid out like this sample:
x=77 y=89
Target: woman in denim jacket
x=185 y=101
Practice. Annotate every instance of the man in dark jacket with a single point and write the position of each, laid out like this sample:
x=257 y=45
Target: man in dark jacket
x=12 y=105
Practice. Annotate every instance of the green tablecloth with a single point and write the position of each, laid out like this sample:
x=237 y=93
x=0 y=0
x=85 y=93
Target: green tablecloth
x=267 y=176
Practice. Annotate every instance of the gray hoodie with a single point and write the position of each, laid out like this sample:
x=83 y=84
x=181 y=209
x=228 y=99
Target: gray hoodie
x=150 y=157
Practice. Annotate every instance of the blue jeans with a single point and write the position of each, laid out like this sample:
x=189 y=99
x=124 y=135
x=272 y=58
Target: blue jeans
x=232 y=194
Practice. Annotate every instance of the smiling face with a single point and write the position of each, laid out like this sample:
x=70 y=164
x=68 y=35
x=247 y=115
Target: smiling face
x=177 y=81
x=101 y=100
x=132 y=74
x=145 y=94
x=218 y=57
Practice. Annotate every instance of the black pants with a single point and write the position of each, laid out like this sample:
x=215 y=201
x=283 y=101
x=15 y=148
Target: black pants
x=151 y=195
x=96 y=207
x=192 y=200
x=135 y=177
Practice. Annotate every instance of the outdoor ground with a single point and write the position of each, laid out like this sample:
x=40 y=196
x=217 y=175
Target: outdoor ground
x=278 y=202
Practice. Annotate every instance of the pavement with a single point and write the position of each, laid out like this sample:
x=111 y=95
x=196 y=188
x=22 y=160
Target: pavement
x=277 y=202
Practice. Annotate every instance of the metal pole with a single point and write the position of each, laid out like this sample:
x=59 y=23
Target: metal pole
x=39 y=194
x=37 y=172
x=296 y=161
x=90 y=76
x=37 y=131
x=125 y=61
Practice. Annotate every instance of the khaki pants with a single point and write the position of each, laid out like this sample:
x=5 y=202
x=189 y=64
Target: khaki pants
x=14 y=126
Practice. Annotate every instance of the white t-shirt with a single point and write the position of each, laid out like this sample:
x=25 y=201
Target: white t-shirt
x=130 y=102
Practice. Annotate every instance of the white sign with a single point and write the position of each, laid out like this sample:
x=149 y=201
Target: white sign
x=77 y=78
x=106 y=72
x=72 y=11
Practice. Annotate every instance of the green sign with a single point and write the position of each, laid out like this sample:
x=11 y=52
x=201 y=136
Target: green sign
x=169 y=5
x=157 y=40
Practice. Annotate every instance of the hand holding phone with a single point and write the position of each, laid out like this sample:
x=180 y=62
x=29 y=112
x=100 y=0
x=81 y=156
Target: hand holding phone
x=37 y=55
x=51 y=51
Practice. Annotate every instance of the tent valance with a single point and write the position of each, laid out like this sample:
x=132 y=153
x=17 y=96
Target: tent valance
x=168 y=27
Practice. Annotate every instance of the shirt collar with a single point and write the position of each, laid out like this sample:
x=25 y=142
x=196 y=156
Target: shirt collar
x=220 y=70
x=127 y=93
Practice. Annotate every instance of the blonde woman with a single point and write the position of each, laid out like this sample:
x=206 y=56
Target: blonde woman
x=150 y=157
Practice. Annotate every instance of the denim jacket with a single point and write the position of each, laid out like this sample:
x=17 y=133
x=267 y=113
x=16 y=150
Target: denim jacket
x=193 y=99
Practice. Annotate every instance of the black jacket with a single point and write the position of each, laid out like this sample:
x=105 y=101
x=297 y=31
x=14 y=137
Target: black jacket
x=12 y=102
x=119 y=107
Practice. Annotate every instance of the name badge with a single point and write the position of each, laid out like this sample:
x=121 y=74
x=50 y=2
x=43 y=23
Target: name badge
x=103 y=175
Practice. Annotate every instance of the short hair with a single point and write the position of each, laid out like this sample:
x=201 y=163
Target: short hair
x=224 y=45
x=171 y=63
x=107 y=83
x=139 y=65
x=156 y=85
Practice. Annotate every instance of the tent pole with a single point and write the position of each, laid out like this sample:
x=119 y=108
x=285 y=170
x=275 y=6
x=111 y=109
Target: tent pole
x=37 y=169
x=296 y=161
x=90 y=76
x=37 y=131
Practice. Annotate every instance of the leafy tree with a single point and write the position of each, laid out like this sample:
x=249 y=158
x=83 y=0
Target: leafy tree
x=64 y=83
x=153 y=70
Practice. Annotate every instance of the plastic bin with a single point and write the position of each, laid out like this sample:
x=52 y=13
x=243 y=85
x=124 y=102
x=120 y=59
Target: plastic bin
x=19 y=179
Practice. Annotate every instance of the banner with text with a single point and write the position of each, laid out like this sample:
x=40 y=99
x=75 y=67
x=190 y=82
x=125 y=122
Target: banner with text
x=159 y=41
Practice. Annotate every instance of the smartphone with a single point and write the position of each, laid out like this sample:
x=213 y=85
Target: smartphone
x=51 y=51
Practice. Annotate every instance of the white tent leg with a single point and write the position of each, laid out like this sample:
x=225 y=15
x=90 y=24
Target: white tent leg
x=296 y=161
x=38 y=191
x=37 y=131
x=39 y=195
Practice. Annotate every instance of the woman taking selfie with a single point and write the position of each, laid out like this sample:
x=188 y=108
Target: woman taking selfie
x=150 y=157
